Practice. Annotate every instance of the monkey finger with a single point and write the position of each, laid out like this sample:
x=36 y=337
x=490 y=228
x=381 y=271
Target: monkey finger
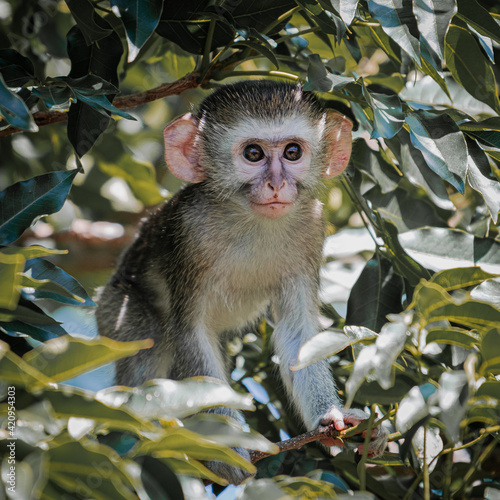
x=328 y=441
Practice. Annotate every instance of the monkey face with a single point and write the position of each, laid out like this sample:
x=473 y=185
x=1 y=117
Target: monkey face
x=260 y=144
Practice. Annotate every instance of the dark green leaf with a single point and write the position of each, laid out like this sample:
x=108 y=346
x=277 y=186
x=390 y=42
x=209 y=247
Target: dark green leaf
x=54 y=96
x=13 y=109
x=469 y=66
x=376 y=293
x=85 y=123
x=158 y=479
x=318 y=78
x=140 y=20
x=314 y=9
x=477 y=16
x=90 y=24
x=102 y=104
x=265 y=50
x=397 y=20
x=433 y=19
x=36 y=332
x=375 y=166
x=15 y=69
x=453 y=336
x=43 y=269
x=404 y=209
x=22 y=202
x=442 y=144
x=403 y=263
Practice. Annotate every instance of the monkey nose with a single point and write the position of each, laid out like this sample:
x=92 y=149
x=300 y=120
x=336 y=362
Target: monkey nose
x=276 y=184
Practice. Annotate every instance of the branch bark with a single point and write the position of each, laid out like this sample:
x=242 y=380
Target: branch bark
x=190 y=81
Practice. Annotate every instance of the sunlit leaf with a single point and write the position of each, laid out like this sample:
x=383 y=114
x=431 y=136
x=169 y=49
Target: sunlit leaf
x=66 y=357
x=443 y=248
x=433 y=19
x=397 y=20
x=442 y=144
x=176 y=398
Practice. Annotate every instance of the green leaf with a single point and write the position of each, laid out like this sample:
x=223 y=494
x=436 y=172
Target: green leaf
x=27 y=313
x=85 y=123
x=15 y=69
x=92 y=469
x=442 y=248
x=102 y=104
x=318 y=78
x=397 y=20
x=415 y=169
x=388 y=117
x=176 y=398
x=33 y=252
x=375 y=166
x=47 y=287
x=453 y=336
x=403 y=263
x=480 y=178
x=442 y=144
x=321 y=346
x=72 y=402
x=477 y=16
x=13 y=109
x=469 y=66
x=140 y=20
x=314 y=9
x=159 y=480
x=140 y=176
x=490 y=350
x=66 y=357
x=44 y=270
x=13 y=370
x=194 y=445
x=433 y=19
x=453 y=279
x=22 y=202
x=261 y=48
x=376 y=360
x=184 y=465
x=55 y=97
x=90 y=24
x=376 y=293
x=41 y=333
x=225 y=430
x=10 y=267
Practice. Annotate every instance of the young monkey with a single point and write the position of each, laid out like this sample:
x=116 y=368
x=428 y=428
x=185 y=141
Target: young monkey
x=245 y=237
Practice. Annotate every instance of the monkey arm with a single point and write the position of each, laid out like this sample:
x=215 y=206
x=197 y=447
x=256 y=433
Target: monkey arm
x=312 y=389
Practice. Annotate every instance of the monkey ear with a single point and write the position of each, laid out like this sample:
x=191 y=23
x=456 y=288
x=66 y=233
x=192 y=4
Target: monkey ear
x=180 y=151
x=338 y=143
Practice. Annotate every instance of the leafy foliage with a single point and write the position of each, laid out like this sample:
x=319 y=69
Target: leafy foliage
x=411 y=284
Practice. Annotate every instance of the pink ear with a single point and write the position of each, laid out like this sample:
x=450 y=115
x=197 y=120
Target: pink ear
x=338 y=143
x=180 y=151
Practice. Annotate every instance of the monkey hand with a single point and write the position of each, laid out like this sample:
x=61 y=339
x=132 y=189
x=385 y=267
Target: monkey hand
x=340 y=419
x=234 y=475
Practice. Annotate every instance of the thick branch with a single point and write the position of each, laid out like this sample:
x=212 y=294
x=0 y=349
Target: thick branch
x=190 y=81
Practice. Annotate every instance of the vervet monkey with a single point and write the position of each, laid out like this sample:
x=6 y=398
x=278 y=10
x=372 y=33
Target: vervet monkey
x=244 y=237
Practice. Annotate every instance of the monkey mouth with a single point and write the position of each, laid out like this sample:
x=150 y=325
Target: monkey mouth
x=272 y=209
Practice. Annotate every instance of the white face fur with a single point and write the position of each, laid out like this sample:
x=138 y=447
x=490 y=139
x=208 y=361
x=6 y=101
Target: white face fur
x=272 y=156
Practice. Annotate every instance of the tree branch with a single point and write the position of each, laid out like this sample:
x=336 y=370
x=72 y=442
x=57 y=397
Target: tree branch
x=190 y=81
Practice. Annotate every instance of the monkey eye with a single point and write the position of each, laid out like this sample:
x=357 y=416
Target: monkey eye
x=253 y=153
x=292 y=151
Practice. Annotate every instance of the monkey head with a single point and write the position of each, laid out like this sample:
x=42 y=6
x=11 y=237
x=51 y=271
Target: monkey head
x=260 y=144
